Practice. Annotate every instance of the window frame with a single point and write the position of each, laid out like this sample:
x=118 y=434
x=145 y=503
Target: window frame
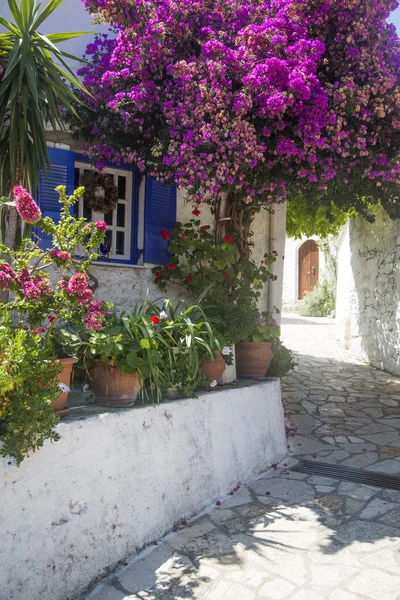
x=131 y=227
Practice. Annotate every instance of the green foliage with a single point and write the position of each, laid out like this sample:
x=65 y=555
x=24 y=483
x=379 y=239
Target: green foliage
x=283 y=361
x=33 y=87
x=320 y=302
x=203 y=261
x=28 y=386
x=163 y=345
x=305 y=219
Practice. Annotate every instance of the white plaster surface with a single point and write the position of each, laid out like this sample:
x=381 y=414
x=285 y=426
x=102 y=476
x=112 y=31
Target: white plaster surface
x=368 y=291
x=116 y=481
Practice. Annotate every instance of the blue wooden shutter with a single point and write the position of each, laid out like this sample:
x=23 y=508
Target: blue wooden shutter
x=160 y=213
x=61 y=172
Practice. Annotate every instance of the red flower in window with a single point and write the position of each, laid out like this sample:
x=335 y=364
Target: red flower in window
x=164 y=234
x=157 y=273
x=155 y=320
x=196 y=212
x=189 y=277
x=171 y=267
x=228 y=239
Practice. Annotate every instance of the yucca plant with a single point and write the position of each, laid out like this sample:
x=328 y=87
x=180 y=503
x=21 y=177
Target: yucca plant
x=34 y=87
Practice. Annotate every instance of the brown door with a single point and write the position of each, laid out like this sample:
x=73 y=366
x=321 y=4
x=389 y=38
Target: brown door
x=308 y=267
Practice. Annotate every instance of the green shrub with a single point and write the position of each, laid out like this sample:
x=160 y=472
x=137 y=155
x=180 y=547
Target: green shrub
x=283 y=361
x=318 y=303
x=28 y=386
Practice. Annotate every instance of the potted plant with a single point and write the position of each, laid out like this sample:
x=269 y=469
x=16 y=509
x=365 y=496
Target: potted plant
x=254 y=355
x=39 y=303
x=147 y=351
x=203 y=259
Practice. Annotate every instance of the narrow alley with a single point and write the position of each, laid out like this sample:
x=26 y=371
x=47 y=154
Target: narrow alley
x=293 y=535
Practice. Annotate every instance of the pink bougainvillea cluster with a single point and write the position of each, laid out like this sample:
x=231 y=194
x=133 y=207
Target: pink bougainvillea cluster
x=35 y=295
x=265 y=98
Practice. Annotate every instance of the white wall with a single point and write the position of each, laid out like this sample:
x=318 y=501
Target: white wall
x=368 y=292
x=118 y=480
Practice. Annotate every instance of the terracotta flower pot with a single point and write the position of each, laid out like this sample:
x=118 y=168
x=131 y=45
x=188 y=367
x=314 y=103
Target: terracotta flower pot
x=64 y=378
x=253 y=360
x=113 y=387
x=214 y=369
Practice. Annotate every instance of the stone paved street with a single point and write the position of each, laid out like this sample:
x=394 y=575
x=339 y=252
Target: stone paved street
x=289 y=535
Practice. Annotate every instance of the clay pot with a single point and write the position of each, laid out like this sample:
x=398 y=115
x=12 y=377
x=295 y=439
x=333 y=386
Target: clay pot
x=113 y=387
x=253 y=360
x=64 y=377
x=214 y=369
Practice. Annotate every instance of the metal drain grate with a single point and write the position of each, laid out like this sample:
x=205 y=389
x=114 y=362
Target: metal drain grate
x=348 y=474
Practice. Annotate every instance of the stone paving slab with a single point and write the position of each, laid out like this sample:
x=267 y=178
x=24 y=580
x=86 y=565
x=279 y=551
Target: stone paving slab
x=291 y=535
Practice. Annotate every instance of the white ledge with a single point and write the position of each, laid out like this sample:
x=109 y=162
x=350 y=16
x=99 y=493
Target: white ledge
x=118 y=480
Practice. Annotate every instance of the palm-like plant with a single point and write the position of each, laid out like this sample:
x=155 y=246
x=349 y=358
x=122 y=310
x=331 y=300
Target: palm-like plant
x=33 y=89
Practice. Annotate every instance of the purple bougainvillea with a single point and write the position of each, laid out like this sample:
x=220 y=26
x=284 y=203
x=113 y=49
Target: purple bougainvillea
x=265 y=99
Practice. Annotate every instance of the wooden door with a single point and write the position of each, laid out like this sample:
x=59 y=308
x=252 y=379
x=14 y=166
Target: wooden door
x=308 y=267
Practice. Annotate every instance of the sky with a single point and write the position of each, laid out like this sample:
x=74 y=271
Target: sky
x=395 y=19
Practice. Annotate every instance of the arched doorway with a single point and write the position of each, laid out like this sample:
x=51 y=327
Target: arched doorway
x=308 y=267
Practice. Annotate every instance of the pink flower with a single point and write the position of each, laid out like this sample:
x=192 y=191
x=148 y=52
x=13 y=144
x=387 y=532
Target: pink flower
x=261 y=321
x=101 y=225
x=77 y=284
x=27 y=208
x=62 y=255
x=7 y=276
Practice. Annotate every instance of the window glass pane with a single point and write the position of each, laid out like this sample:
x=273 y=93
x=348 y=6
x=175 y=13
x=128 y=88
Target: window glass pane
x=121 y=187
x=120 y=242
x=121 y=215
x=87 y=211
x=109 y=239
x=76 y=178
x=108 y=217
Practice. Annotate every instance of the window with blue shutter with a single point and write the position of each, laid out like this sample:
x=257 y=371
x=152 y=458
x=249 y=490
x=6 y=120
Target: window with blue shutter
x=160 y=213
x=61 y=172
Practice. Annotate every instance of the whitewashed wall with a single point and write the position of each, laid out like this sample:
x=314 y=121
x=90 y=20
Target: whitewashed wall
x=116 y=481
x=368 y=291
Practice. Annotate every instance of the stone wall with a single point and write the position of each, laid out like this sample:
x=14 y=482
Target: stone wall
x=368 y=293
x=118 y=480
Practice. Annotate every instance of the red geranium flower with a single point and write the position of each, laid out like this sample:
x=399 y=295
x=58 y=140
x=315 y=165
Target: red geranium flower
x=189 y=277
x=275 y=277
x=51 y=318
x=204 y=228
x=262 y=262
x=157 y=273
x=274 y=252
x=171 y=267
x=225 y=273
x=39 y=331
x=196 y=212
x=164 y=234
x=155 y=320
x=182 y=234
x=228 y=239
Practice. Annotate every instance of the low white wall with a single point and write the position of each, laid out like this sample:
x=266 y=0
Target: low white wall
x=116 y=481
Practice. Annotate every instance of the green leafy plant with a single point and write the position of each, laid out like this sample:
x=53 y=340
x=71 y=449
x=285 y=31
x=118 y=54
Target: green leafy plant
x=163 y=345
x=283 y=361
x=34 y=86
x=320 y=302
x=203 y=260
x=28 y=386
